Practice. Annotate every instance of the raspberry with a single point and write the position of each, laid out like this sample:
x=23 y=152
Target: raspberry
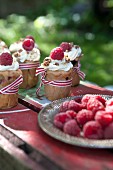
x=84 y=116
x=57 y=54
x=109 y=102
x=93 y=130
x=71 y=127
x=104 y=118
x=66 y=46
x=30 y=37
x=108 y=132
x=109 y=108
x=71 y=113
x=73 y=105
x=60 y=119
x=6 y=59
x=101 y=99
x=94 y=105
x=28 y=44
x=64 y=106
x=78 y=100
x=85 y=99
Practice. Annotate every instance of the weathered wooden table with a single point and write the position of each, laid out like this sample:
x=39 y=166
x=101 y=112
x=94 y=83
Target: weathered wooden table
x=24 y=146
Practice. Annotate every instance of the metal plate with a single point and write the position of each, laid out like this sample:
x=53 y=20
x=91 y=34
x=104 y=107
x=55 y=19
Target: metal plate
x=45 y=119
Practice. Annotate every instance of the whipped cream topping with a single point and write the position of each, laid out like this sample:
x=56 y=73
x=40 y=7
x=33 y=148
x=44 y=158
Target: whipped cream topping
x=74 y=53
x=23 y=55
x=4 y=50
x=14 y=66
x=54 y=65
x=2 y=43
x=18 y=45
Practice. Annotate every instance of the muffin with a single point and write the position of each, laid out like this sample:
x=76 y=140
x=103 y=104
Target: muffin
x=74 y=53
x=10 y=79
x=57 y=76
x=28 y=56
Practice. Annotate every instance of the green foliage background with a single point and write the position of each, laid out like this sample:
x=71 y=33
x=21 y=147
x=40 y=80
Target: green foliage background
x=58 y=23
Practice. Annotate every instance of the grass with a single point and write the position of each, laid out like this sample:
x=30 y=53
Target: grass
x=97 y=47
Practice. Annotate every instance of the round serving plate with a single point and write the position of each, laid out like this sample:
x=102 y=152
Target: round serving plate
x=45 y=119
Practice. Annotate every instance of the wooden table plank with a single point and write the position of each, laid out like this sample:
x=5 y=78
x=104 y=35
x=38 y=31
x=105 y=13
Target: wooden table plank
x=25 y=126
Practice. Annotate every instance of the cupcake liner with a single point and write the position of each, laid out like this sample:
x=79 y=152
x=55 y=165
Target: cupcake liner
x=29 y=74
x=57 y=84
x=10 y=81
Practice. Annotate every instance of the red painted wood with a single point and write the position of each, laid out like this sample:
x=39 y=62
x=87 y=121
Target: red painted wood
x=89 y=89
x=25 y=126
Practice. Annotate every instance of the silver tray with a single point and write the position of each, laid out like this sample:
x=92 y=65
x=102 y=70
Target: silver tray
x=45 y=119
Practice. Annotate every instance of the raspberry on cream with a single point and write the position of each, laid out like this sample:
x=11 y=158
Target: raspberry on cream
x=74 y=53
x=55 y=65
x=18 y=45
x=13 y=66
x=57 y=61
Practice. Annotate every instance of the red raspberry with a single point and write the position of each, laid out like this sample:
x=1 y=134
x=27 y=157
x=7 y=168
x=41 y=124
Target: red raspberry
x=30 y=37
x=109 y=102
x=28 y=44
x=60 y=119
x=93 y=130
x=104 y=118
x=94 y=105
x=78 y=100
x=57 y=53
x=66 y=46
x=64 y=106
x=6 y=59
x=71 y=127
x=71 y=113
x=85 y=99
x=108 y=132
x=101 y=99
x=84 y=116
x=73 y=105
x=109 y=109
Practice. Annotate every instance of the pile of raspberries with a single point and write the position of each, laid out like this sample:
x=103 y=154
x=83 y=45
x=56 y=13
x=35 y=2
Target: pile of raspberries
x=88 y=117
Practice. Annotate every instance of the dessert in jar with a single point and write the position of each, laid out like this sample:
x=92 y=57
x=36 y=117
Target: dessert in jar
x=10 y=79
x=74 y=53
x=56 y=75
x=28 y=56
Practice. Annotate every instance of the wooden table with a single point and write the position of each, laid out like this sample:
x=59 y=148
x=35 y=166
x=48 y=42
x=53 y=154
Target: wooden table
x=23 y=145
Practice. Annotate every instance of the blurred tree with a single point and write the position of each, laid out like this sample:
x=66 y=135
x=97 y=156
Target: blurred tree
x=103 y=9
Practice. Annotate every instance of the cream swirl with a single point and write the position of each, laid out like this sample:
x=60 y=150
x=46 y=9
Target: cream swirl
x=55 y=65
x=14 y=66
x=23 y=55
x=74 y=53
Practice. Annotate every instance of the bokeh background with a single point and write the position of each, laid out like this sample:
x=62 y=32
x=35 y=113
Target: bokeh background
x=87 y=23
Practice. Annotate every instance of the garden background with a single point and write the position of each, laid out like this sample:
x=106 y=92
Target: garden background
x=87 y=23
